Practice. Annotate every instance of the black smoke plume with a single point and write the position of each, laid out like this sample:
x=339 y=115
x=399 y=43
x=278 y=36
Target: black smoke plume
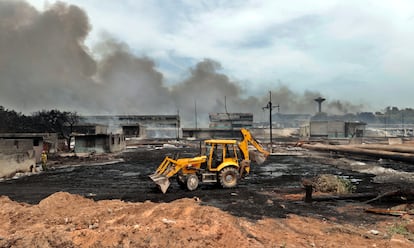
x=45 y=64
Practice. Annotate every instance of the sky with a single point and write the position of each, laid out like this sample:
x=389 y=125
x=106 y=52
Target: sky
x=354 y=53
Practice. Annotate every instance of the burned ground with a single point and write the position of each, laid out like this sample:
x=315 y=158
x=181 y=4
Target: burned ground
x=81 y=203
x=256 y=197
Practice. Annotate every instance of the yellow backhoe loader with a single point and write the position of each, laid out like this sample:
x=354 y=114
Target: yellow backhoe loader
x=223 y=161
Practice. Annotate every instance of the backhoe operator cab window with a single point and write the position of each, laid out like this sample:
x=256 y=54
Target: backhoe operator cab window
x=217 y=156
x=217 y=153
x=231 y=151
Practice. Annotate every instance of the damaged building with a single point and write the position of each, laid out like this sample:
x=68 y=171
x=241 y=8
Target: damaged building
x=222 y=125
x=20 y=152
x=139 y=126
x=111 y=133
x=230 y=120
x=99 y=143
x=95 y=138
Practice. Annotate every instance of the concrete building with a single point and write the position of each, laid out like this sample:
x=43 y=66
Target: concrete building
x=16 y=155
x=20 y=152
x=210 y=133
x=37 y=142
x=261 y=134
x=221 y=126
x=332 y=129
x=139 y=126
x=89 y=128
x=289 y=120
x=230 y=120
x=99 y=143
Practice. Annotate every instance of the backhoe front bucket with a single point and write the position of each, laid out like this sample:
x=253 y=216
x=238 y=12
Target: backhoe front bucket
x=162 y=181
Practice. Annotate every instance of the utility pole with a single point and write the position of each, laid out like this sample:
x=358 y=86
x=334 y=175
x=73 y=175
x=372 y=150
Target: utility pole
x=229 y=116
x=270 y=107
x=178 y=124
x=385 y=124
x=195 y=113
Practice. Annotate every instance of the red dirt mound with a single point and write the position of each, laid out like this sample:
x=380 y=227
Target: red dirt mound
x=66 y=220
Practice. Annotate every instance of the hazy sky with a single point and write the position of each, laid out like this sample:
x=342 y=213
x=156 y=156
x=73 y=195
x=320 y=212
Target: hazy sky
x=164 y=56
x=358 y=50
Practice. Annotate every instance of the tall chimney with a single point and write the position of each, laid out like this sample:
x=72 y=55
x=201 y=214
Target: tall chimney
x=319 y=100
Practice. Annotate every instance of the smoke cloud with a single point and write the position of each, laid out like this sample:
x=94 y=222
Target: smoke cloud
x=44 y=64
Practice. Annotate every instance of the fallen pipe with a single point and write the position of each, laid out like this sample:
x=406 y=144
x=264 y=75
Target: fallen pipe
x=390 y=148
x=398 y=156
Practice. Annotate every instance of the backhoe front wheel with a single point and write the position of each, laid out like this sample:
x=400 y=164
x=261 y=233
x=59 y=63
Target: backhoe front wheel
x=192 y=182
x=181 y=180
x=229 y=177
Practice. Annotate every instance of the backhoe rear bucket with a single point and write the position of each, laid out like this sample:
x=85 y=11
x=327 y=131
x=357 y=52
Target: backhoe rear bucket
x=259 y=158
x=162 y=181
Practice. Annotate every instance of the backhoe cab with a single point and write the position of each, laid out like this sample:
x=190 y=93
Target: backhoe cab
x=223 y=162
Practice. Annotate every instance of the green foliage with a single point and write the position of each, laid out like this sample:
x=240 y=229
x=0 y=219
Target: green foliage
x=333 y=184
x=400 y=228
x=346 y=185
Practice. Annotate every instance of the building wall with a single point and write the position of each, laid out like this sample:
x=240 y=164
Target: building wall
x=131 y=130
x=90 y=129
x=319 y=128
x=210 y=133
x=91 y=143
x=99 y=143
x=16 y=155
x=336 y=129
x=145 y=125
x=48 y=142
x=39 y=141
x=231 y=120
x=333 y=129
x=304 y=130
x=116 y=142
x=160 y=133
x=261 y=134
x=13 y=146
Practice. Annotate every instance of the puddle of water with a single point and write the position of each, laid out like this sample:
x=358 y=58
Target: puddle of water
x=271 y=174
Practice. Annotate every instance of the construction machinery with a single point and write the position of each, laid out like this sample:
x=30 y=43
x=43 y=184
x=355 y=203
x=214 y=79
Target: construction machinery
x=222 y=161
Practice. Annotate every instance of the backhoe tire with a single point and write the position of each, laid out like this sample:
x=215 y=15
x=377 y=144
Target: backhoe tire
x=192 y=182
x=229 y=177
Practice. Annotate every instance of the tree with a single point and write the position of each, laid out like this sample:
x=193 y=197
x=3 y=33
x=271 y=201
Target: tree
x=58 y=122
x=11 y=121
x=72 y=119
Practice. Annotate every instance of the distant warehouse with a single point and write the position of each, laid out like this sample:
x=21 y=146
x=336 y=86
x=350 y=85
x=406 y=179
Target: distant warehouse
x=138 y=126
x=231 y=120
x=332 y=129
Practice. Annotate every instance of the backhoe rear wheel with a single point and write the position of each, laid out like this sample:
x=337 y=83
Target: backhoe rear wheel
x=229 y=177
x=192 y=182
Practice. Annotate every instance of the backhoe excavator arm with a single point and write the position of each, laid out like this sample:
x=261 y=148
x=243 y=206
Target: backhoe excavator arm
x=244 y=147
